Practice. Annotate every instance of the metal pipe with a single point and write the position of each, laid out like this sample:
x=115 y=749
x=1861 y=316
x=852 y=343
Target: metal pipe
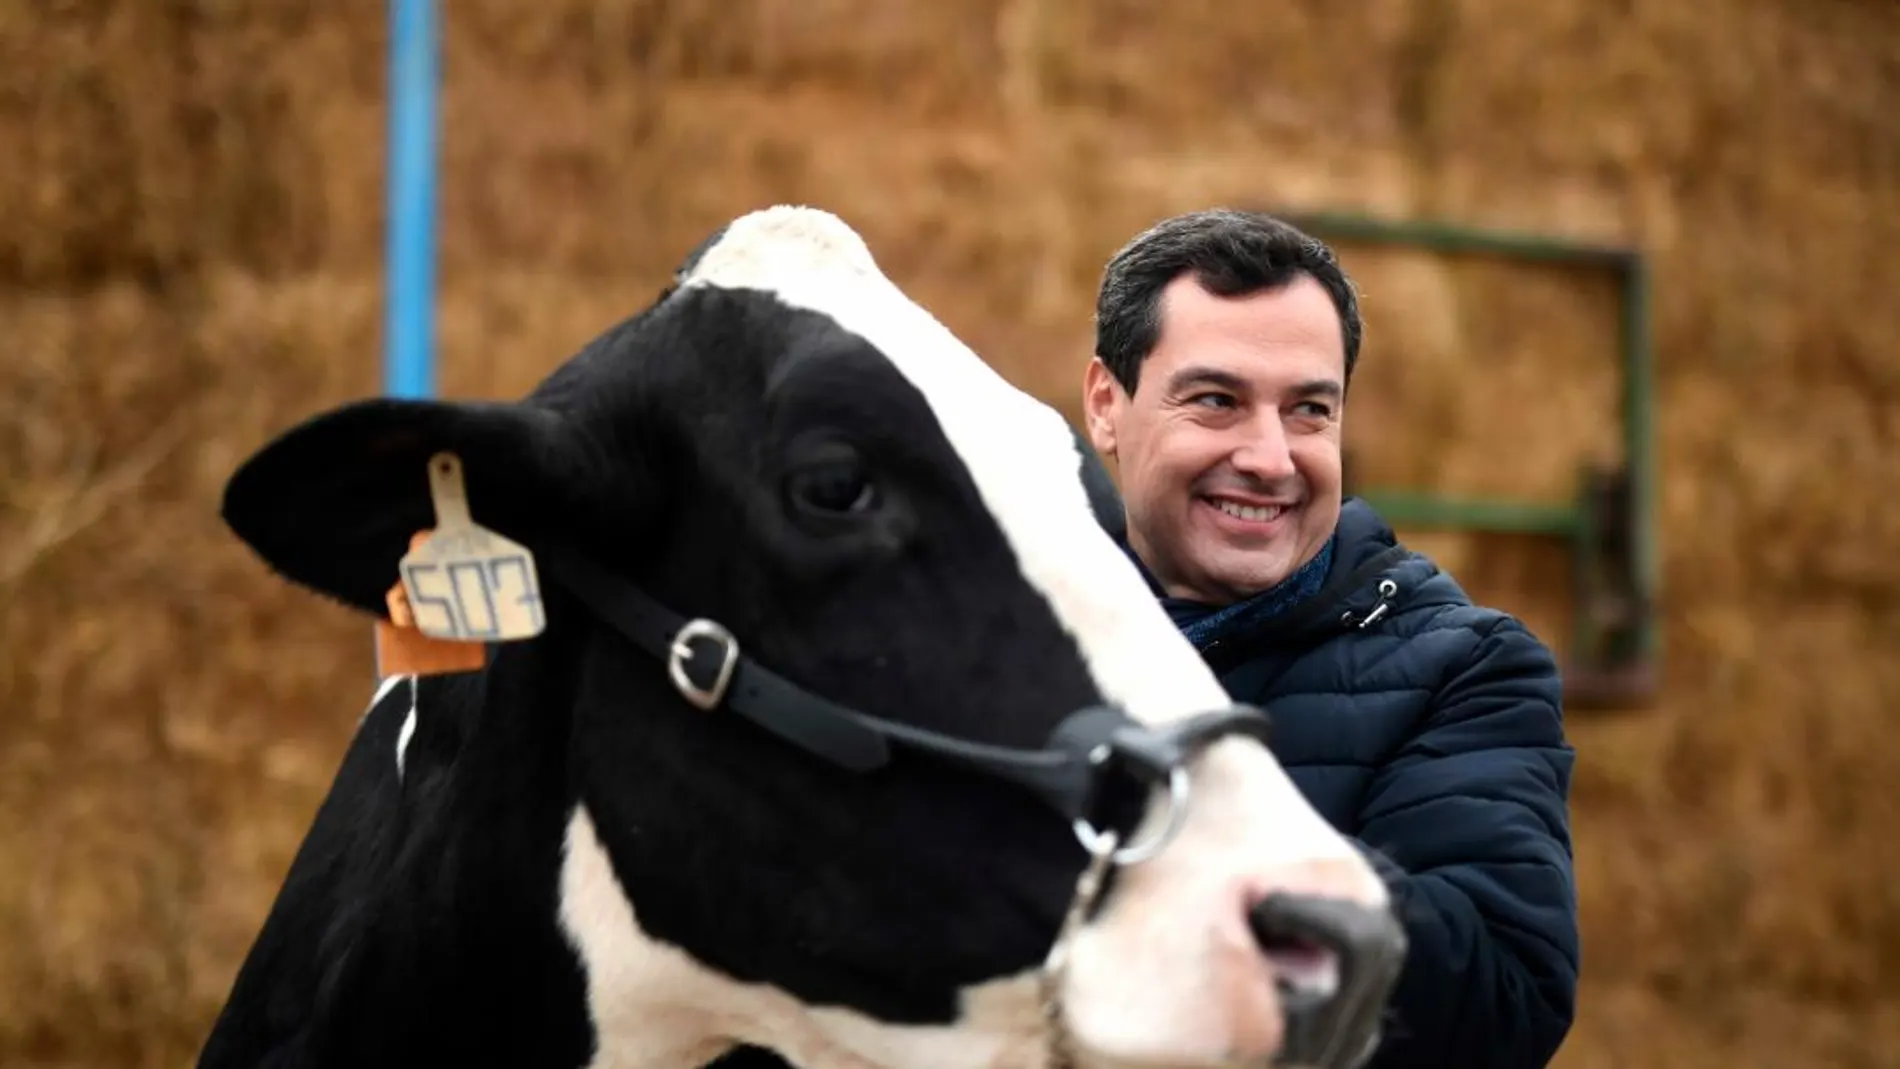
x=1452 y=237
x=409 y=324
x=1433 y=512
x=1637 y=362
x=1639 y=449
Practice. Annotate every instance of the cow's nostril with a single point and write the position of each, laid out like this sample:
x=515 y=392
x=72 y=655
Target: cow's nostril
x=1303 y=970
x=1334 y=963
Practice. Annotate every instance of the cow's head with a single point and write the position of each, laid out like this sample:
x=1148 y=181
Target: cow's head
x=787 y=445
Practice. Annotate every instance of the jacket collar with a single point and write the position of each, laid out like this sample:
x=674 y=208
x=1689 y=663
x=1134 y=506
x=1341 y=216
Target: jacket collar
x=1362 y=568
x=1203 y=622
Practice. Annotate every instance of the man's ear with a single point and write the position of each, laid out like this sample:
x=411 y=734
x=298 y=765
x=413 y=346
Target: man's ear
x=331 y=504
x=1100 y=394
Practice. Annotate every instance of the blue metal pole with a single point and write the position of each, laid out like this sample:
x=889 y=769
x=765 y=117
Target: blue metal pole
x=409 y=226
x=409 y=328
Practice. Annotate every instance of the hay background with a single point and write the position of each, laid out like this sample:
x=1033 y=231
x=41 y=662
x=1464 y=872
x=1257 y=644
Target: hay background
x=190 y=245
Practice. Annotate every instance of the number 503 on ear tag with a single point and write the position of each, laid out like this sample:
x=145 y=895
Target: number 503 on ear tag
x=467 y=583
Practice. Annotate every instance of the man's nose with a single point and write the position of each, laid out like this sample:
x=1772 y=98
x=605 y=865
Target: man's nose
x=1332 y=1018
x=1265 y=454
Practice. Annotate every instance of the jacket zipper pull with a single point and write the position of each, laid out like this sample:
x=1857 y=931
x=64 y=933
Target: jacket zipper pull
x=1387 y=588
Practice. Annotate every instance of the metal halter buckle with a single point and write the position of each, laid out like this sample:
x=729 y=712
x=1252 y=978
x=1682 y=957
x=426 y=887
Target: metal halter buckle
x=1097 y=842
x=682 y=652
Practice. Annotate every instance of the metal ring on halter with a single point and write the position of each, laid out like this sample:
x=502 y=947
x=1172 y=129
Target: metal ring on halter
x=1136 y=852
x=682 y=651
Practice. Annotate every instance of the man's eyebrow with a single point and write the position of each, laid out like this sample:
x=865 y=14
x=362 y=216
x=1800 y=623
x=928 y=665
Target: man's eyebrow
x=1327 y=388
x=1189 y=377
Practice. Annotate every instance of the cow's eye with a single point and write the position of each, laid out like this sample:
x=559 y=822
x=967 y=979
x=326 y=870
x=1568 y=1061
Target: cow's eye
x=834 y=484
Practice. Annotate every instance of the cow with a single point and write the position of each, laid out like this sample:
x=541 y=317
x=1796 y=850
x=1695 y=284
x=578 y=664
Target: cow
x=848 y=734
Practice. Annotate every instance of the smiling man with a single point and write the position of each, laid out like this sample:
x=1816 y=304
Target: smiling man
x=1427 y=728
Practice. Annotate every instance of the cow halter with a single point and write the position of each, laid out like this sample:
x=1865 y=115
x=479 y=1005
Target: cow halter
x=1068 y=773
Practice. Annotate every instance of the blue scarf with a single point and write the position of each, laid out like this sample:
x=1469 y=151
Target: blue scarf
x=1203 y=623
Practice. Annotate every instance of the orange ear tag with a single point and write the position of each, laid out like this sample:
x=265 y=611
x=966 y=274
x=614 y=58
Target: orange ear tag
x=402 y=650
x=462 y=585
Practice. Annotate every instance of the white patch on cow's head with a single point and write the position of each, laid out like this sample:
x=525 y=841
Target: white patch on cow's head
x=780 y=242
x=1167 y=972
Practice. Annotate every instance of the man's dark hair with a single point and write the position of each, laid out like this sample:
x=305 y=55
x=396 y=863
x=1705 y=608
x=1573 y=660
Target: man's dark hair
x=1232 y=254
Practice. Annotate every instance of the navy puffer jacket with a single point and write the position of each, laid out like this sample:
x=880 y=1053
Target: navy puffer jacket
x=1430 y=731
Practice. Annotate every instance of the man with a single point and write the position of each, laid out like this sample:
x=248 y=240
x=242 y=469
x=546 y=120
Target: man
x=1425 y=727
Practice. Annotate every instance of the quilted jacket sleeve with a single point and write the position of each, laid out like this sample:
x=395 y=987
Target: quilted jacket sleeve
x=1469 y=822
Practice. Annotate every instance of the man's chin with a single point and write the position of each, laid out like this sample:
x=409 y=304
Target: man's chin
x=1229 y=580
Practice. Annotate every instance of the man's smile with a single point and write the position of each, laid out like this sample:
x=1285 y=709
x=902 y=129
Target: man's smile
x=1255 y=518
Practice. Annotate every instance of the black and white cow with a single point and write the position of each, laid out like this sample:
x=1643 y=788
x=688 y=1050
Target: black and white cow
x=864 y=853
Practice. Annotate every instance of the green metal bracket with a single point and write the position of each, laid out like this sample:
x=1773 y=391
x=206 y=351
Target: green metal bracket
x=1616 y=644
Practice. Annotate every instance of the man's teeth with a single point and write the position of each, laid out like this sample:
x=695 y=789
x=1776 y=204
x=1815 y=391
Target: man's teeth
x=1254 y=513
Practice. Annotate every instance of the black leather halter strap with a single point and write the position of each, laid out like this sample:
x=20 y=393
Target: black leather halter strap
x=706 y=665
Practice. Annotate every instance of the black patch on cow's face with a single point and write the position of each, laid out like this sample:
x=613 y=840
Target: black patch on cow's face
x=814 y=507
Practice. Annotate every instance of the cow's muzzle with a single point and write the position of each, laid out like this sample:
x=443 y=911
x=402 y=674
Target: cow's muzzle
x=1338 y=1028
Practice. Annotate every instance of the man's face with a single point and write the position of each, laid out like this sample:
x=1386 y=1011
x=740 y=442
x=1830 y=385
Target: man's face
x=1228 y=450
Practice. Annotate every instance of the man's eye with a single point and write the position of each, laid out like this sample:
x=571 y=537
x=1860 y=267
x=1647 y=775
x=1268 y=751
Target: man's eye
x=1316 y=409
x=1212 y=400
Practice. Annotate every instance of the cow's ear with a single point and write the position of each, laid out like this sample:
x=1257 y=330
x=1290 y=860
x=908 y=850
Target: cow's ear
x=333 y=502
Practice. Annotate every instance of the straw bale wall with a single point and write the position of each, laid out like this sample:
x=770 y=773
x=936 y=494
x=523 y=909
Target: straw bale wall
x=190 y=259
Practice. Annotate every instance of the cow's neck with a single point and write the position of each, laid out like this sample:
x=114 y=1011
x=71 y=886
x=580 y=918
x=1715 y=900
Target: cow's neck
x=467 y=929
